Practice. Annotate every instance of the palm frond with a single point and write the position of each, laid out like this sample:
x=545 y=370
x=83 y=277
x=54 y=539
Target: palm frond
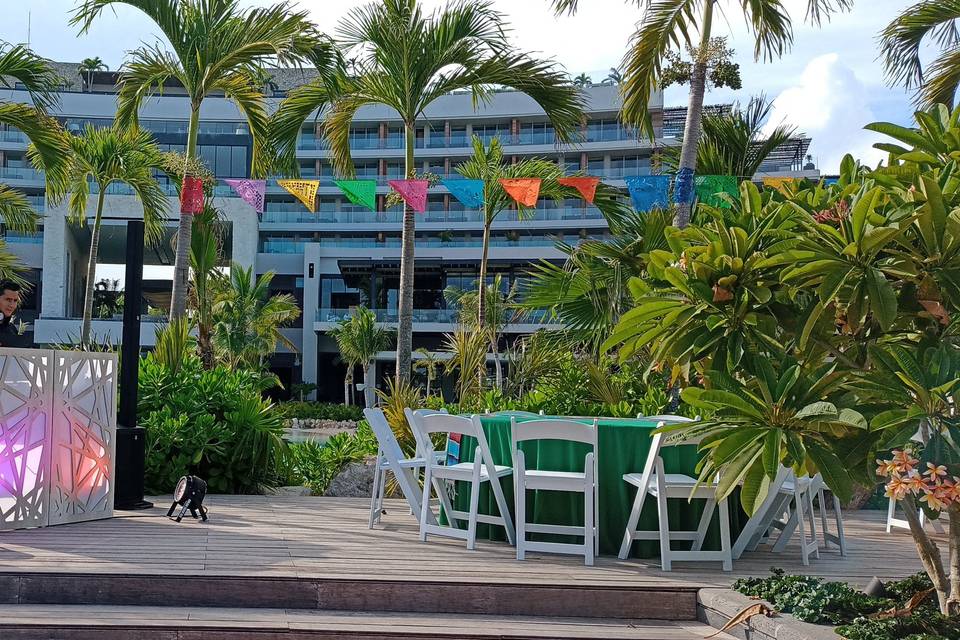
x=49 y=143
x=287 y=121
x=146 y=72
x=241 y=88
x=16 y=211
x=902 y=42
x=33 y=72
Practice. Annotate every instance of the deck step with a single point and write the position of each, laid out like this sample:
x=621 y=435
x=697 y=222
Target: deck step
x=367 y=595
x=77 y=622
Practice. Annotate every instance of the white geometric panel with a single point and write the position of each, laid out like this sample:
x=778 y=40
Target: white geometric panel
x=25 y=401
x=83 y=436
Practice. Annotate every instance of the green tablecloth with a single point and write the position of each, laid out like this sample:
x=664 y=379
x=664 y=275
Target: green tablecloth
x=622 y=447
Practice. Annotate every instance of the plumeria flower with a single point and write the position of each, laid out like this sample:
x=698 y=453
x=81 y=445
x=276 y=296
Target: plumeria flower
x=915 y=482
x=935 y=502
x=886 y=468
x=904 y=461
x=897 y=488
x=935 y=471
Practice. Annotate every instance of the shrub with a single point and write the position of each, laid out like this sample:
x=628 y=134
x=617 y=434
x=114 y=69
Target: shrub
x=315 y=465
x=210 y=423
x=320 y=411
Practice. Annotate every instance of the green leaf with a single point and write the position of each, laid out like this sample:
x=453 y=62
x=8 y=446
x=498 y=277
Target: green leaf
x=771 y=453
x=756 y=486
x=825 y=410
x=883 y=299
x=834 y=474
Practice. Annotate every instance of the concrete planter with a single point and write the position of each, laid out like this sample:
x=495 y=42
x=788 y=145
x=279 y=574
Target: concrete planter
x=717 y=606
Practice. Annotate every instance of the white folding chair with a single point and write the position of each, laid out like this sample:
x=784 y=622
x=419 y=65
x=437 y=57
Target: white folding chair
x=570 y=481
x=796 y=504
x=829 y=538
x=901 y=523
x=390 y=458
x=475 y=473
x=663 y=486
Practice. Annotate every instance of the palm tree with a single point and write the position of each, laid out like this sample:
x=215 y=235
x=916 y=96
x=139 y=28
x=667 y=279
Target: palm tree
x=429 y=362
x=614 y=77
x=583 y=80
x=360 y=340
x=49 y=148
x=205 y=245
x=101 y=157
x=733 y=144
x=673 y=23
x=406 y=60
x=926 y=23
x=500 y=309
x=216 y=46
x=590 y=292
x=89 y=66
x=247 y=319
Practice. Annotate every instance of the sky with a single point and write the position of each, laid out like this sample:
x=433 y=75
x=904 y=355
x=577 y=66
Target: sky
x=828 y=86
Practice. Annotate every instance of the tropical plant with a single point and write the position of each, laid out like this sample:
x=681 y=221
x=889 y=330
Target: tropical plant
x=174 y=344
x=924 y=24
x=428 y=361
x=583 y=80
x=589 y=292
x=407 y=59
x=49 y=145
x=466 y=353
x=360 y=339
x=398 y=396
x=101 y=157
x=208 y=281
x=88 y=67
x=215 y=46
x=614 y=77
x=211 y=423
x=735 y=143
x=107 y=298
x=722 y=71
x=670 y=24
x=247 y=320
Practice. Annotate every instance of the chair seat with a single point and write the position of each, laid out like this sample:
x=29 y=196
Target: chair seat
x=464 y=471
x=554 y=480
x=406 y=463
x=678 y=485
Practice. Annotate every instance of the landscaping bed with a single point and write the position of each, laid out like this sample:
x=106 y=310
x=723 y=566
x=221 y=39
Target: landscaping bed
x=806 y=607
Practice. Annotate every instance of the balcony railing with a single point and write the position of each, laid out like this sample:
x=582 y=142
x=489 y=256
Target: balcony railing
x=296 y=214
x=13 y=237
x=10 y=135
x=448 y=316
x=438 y=140
x=20 y=173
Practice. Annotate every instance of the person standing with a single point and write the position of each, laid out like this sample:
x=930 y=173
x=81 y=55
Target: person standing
x=9 y=303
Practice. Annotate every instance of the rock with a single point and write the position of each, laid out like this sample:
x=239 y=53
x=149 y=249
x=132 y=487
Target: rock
x=289 y=491
x=354 y=481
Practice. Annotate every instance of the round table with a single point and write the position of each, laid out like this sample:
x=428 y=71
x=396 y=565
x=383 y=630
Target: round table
x=622 y=447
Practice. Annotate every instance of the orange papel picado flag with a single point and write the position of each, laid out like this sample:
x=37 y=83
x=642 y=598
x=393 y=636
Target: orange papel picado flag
x=525 y=191
x=586 y=185
x=303 y=190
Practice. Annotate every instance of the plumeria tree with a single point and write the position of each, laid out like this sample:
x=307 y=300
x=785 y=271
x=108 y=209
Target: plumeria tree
x=816 y=329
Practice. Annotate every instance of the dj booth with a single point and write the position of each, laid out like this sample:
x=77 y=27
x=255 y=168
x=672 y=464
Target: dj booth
x=58 y=423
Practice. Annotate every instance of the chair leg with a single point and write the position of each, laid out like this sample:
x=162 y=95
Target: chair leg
x=795 y=519
x=813 y=527
x=891 y=512
x=520 y=494
x=632 y=523
x=589 y=530
x=373 y=493
x=839 y=516
x=501 y=501
x=708 y=508
x=664 y=526
x=425 y=504
x=474 y=510
x=381 y=493
x=725 y=545
x=440 y=486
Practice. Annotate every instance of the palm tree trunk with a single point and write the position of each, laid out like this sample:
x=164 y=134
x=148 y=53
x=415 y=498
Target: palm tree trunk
x=429 y=380
x=91 y=271
x=497 y=367
x=482 y=286
x=347 y=383
x=367 y=387
x=691 y=128
x=405 y=324
x=181 y=266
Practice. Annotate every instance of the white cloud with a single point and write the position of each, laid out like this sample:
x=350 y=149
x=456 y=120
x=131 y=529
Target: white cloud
x=829 y=103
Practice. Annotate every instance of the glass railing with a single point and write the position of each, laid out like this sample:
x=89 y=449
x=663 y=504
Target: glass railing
x=20 y=173
x=295 y=213
x=14 y=237
x=294 y=246
x=539 y=316
x=13 y=136
x=438 y=141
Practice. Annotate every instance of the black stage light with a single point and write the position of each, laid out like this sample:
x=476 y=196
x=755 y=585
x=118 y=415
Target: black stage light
x=189 y=496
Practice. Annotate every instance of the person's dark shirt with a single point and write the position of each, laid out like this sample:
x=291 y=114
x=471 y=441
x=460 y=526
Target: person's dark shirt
x=9 y=336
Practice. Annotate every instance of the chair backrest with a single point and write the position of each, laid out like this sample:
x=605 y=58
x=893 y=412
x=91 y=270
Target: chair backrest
x=412 y=416
x=554 y=429
x=454 y=427
x=668 y=417
x=390 y=449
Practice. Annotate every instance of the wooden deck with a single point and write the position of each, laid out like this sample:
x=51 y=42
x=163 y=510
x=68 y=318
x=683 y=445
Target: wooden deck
x=328 y=538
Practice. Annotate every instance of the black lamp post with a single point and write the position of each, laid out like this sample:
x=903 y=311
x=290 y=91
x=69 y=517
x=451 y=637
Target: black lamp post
x=131 y=439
